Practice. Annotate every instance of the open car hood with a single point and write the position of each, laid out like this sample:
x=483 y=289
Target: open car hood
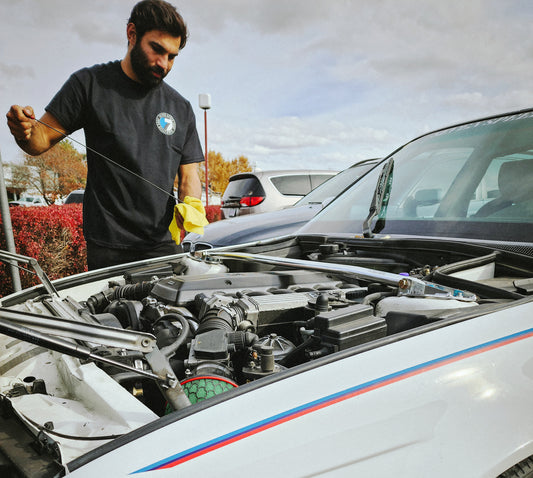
x=90 y=359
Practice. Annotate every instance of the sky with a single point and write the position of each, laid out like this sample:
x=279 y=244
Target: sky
x=315 y=84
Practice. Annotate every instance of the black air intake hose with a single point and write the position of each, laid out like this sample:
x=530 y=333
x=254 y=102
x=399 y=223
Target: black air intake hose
x=98 y=302
x=218 y=319
x=133 y=291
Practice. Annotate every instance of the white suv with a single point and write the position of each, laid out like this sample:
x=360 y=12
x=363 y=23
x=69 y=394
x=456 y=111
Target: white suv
x=262 y=191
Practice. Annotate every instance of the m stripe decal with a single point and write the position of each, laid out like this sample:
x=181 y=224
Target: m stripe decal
x=329 y=400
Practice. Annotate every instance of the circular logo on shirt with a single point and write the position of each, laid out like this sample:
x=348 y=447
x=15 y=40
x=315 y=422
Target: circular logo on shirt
x=166 y=123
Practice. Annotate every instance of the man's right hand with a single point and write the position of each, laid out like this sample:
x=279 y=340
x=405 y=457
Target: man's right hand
x=32 y=135
x=21 y=121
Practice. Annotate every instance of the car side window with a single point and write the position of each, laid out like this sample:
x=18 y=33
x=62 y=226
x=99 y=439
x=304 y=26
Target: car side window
x=292 y=185
x=318 y=179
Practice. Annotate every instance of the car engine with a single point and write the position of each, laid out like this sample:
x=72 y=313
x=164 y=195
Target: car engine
x=244 y=326
x=220 y=329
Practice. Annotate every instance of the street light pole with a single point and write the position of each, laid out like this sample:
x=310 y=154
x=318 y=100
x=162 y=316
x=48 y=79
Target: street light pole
x=206 y=166
x=204 y=101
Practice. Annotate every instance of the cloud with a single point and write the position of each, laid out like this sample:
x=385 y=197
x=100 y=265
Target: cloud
x=318 y=142
x=301 y=81
x=94 y=31
x=11 y=72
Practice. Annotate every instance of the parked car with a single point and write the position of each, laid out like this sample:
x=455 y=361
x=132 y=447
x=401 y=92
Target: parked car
x=253 y=227
x=75 y=197
x=261 y=191
x=29 y=201
x=392 y=335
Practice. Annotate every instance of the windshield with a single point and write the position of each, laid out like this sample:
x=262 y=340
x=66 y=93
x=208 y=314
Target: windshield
x=470 y=181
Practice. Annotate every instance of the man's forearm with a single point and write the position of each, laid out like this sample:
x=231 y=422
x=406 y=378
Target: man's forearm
x=37 y=144
x=32 y=136
x=189 y=182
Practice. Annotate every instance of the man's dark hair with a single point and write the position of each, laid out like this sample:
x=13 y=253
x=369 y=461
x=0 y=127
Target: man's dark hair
x=150 y=15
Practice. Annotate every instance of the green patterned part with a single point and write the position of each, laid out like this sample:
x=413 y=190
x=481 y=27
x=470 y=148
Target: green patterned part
x=202 y=388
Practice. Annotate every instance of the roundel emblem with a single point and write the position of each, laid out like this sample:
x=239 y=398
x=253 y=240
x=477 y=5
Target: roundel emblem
x=166 y=123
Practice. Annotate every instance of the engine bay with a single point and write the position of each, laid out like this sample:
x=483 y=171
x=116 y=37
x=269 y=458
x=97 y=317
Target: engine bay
x=224 y=320
x=99 y=358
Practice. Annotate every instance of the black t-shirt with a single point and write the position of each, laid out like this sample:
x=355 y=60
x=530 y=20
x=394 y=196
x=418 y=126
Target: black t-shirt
x=150 y=131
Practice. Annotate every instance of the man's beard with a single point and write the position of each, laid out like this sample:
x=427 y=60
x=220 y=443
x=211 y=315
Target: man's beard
x=142 y=68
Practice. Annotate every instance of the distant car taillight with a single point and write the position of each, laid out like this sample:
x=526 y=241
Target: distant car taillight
x=251 y=200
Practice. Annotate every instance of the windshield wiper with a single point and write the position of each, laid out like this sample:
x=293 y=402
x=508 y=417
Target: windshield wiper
x=380 y=200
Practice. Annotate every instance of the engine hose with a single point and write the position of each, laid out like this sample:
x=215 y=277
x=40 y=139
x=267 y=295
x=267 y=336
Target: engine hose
x=306 y=343
x=466 y=264
x=126 y=377
x=98 y=302
x=481 y=290
x=133 y=291
x=242 y=339
x=222 y=318
x=376 y=296
x=441 y=276
x=170 y=350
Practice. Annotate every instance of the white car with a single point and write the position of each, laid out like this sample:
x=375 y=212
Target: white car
x=392 y=335
x=263 y=191
x=29 y=201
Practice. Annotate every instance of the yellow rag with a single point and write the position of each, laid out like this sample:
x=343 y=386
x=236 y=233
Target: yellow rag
x=193 y=213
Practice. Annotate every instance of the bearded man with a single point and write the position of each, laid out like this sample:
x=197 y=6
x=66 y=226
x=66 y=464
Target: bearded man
x=136 y=126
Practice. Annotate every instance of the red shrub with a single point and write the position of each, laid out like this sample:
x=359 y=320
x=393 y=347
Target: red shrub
x=212 y=213
x=53 y=235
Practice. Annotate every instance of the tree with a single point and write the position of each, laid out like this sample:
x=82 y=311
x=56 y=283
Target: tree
x=220 y=170
x=19 y=181
x=55 y=173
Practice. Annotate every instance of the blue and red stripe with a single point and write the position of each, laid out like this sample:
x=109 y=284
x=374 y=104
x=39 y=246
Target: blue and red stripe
x=310 y=407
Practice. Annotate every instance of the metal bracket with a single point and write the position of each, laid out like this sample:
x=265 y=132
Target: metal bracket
x=92 y=333
x=161 y=373
x=10 y=257
x=413 y=287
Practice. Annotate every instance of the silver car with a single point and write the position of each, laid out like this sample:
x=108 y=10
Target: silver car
x=262 y=191
x=253 y=227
